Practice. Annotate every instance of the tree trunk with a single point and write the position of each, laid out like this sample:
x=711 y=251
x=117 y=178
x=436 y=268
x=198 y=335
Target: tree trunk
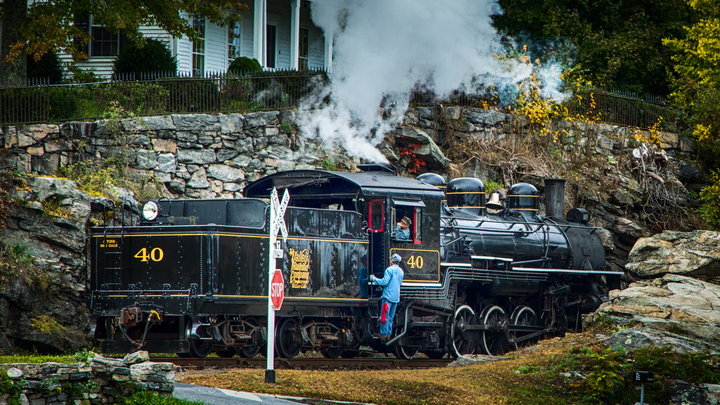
x=14 y=14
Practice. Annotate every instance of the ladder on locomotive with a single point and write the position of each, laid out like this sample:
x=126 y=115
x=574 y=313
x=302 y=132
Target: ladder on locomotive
x=113 y=260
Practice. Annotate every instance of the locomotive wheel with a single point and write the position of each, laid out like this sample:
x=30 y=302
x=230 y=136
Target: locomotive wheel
x=287 y=339
x=200 y=348
x=523 y=316
x=404 y=352
x=463 y=341
x=493 y=340
x=434 y=354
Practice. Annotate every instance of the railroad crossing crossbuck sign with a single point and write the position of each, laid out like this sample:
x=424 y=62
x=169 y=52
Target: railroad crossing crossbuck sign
x=277 y=289
x=278 y=221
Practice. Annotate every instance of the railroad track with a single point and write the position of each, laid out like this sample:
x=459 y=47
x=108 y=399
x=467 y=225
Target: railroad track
x=304 y=363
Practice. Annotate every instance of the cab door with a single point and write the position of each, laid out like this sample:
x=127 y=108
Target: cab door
x=421 y=260
x=377 y=235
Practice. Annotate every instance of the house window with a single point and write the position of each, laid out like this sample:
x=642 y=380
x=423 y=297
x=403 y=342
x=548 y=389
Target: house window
x=304 y=46
x=270 y=48
x=103 y=42
x=198 y=45
x=234 y=41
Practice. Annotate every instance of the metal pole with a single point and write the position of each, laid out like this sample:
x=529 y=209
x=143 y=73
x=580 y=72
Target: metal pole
x=642 y=394
x=270 y=355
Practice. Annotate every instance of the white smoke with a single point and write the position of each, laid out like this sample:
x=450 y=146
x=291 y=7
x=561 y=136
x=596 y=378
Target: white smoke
x=385 y=48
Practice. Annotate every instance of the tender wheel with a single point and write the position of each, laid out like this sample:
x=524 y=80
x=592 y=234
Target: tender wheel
x=200 y=347
x=493 y=339
x=251 y=348
x=523 y=316
x=349 y=354
x=464 y=341
x=225 y=354
x=287 y=339
x=332 y=352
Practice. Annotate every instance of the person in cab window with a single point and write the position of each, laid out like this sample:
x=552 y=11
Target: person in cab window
x=402 y=228
x=391 y=282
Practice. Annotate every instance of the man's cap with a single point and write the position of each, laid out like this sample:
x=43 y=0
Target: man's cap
x=396 y=258
x=406 y=221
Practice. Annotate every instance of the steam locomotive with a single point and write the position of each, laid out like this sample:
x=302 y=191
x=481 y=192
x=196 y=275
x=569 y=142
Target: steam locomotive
x=190 y=276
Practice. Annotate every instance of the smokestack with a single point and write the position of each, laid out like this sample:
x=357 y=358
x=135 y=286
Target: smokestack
x=555 y=198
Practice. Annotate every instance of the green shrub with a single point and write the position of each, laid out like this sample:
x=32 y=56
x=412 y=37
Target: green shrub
x=244 y=65
x=152 y=56
x=138 y=98
x=710 y=199
x=48 y=67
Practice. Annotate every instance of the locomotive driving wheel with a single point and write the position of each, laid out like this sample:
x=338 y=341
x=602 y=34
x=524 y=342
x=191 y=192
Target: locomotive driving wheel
x=287 y=338
x=523 y=316
x=464 y=340
x=493 y=339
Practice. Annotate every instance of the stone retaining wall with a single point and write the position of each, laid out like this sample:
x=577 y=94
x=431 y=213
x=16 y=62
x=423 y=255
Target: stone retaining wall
x=101 y=380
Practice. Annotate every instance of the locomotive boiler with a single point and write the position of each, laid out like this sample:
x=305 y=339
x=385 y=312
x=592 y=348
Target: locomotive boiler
x=190 y=276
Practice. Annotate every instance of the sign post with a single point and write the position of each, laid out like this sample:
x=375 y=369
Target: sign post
x=276 y=284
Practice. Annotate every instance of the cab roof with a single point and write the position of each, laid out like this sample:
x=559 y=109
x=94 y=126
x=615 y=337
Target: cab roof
x=341 y=184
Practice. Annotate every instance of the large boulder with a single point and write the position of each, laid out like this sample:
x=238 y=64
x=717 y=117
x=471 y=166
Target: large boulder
x=674 y=310
x=695 y=254
x=42 y=290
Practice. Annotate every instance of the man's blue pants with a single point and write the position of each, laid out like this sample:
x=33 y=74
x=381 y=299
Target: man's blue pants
x=386 y=328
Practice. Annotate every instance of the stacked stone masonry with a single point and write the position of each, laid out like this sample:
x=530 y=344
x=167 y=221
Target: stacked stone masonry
x=101 y=380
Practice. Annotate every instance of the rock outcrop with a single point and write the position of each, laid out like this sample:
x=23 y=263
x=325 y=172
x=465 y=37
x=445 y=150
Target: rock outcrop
x=669 y=307
x=43 y=289
x=694 y=254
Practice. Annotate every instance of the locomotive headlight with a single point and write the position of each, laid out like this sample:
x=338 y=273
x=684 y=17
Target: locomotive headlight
x=150 y=210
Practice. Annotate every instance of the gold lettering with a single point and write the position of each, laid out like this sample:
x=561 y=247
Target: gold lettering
x=299 y=268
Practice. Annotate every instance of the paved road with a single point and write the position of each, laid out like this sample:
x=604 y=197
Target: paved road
x=216 y=396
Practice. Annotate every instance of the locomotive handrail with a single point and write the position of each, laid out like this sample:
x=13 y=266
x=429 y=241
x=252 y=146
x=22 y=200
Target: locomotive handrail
x=544 y=270
x=453 y=241
x=405 y=327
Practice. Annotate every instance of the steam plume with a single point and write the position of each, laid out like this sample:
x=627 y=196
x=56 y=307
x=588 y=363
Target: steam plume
x=385 y=48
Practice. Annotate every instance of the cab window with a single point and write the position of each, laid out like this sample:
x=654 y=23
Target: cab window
x=407 y=221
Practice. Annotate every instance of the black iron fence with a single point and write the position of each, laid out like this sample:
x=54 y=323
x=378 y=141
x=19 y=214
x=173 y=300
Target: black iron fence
x=626 y=108
x=158 y=93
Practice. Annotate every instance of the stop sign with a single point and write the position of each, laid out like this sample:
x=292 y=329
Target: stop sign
x=277 y=289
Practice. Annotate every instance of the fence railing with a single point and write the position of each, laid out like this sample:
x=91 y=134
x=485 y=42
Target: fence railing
x=162 y=93
x=157 y=94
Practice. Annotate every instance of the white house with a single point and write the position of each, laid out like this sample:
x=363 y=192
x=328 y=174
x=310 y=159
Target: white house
x=278 y=33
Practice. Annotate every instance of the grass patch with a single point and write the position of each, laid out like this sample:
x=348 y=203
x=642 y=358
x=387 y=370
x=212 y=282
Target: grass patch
x=573 y=370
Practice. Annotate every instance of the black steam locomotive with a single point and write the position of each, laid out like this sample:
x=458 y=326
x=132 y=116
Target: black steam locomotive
x=191 y=276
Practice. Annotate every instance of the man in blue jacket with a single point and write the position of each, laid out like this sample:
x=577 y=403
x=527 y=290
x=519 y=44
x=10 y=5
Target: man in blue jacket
x=391 y=281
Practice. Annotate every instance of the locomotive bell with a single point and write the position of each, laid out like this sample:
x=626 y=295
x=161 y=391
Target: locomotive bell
x=466 y=194
x=523 y=197
x=494 y=202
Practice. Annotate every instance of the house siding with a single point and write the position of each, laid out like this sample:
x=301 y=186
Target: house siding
x=216 y=42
